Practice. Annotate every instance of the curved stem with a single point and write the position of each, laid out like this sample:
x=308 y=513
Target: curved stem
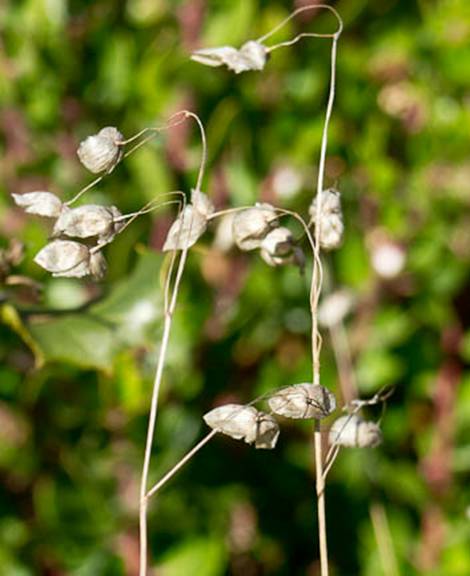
x=303 y=34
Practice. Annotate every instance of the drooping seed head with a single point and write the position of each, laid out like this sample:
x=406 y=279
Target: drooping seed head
x=352 y=431
x=302 y=401
x=101 y=152
x=277 y=247
x=98 y=266
x=331 y=218
x=86 y=221
x=40 y=203
x=202 y=203
x=250 y=226
x=186 y=229
x=65 y=258
x=244 y=423
x=251 y=56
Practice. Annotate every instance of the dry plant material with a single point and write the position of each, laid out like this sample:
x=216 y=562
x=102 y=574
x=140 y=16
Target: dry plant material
x=302 y=401
x=244 y=423
x=352 y=431
x=65 y=258
x=101 y=152
x=251 y=56
x=40 y=203
x=251 y=226
x=277 y=248
x=331 y=218
x=88 y=221
x=190 y=224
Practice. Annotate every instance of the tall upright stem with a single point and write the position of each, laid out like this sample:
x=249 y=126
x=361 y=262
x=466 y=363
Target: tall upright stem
x=316 y=285
x=170 y=305
x=153 y=415
x=320 y=487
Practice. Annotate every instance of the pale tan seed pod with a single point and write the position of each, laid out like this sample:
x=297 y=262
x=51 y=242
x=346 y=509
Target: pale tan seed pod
x=353 y=432
x=335 y=307
x=251 y=56
x=39 y=203
x=98 y=266
x=101 y=152
x=277 y=247
x=302 y=401
x=331 y=218
x=244 y=423
x=65 y=258
x=87 y=221
x=202 y=203
x=250 y=226
x=186 y=229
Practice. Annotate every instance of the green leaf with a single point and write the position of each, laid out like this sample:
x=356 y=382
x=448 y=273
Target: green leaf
x=204 y=557
x=79 y=339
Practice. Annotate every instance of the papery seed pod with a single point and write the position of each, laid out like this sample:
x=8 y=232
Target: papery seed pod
x=277 y=247
x=303 y=401
x=251 y=56
x=98 y=266
x=40 y=203
x=202 y=203
x=65 y=258
x=267 y=431
x=185 y=230
x=331 y=218
x=353 y=432
x=250 y=226
x=223 y=239
x=101 y=152
x=254 y=56
x=335 y=307
x=244 y=423
x=87 y=221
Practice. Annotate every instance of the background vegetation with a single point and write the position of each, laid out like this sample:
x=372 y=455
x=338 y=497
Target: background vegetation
x=77 y=359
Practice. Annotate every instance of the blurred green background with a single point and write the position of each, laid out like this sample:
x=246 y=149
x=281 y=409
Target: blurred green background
x=77 y=358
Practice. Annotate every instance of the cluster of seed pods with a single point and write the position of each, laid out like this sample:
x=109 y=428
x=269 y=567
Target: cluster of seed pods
x=79 y=234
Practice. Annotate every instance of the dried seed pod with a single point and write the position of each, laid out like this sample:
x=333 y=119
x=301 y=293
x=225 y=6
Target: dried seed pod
x=202 y=203
x=101 y=152
x=277 y=247
x=331 y=218
x=65 y=258
x=303 y=401
x=87 y=221
x=186 y=229
x=98 y=266
x=335 y=307
x=244 y=423
x=353 y=432
x=40 y=203
x=250 y=226
x=251 y=56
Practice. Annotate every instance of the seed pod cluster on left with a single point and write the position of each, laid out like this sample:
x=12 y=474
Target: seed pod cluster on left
x=93 y=225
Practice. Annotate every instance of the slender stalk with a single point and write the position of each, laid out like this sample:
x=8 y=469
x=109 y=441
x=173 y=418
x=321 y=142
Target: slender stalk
x=153 y=415
x=320 y=486
x=156 y=487
x=316 y=285
x=170 y=306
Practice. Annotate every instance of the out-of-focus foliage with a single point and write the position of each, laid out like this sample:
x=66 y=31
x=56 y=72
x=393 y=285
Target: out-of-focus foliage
x=77 y=359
